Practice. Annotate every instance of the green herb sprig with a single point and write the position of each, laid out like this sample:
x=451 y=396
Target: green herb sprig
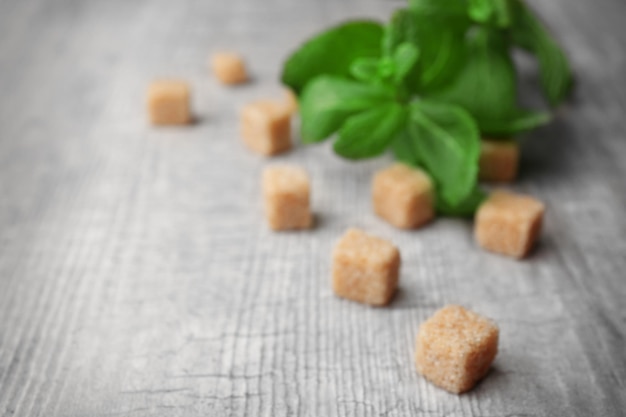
x=427 y=86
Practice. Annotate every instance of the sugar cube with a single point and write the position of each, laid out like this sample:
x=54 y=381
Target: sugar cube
x=508 y=223
x=168 y=102
x=266 y=127
x=229 y=68
x=498 y=160
x=455 y=348
x=291 y=101
x=403 y=196
x=365 y=268
x=286 y=191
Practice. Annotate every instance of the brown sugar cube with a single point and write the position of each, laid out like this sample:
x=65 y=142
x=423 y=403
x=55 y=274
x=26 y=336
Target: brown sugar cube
x=365 y=268
x=266 y=127
x=455 y=348
x=508 y=223
x=498 y=160
x=403 y=196
x=168 y=103
x=291 y=101
x=286 y=191
x=229 y=68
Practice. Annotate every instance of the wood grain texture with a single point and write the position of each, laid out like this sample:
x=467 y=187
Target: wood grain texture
x=138 y=278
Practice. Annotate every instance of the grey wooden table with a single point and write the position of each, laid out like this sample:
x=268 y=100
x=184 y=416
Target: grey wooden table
x=138 y=278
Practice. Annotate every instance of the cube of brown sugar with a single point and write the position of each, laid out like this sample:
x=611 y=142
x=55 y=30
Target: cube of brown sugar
x=229 y=68
x=508 y=223
x=455 y=348
x=498 y=160
x=286 y=190
x=365 y=268
x=168 y=103
x=291 y=101
x=403 y=196
x=266 y=127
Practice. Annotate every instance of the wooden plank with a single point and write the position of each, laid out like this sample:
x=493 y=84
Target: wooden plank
x=137 y=277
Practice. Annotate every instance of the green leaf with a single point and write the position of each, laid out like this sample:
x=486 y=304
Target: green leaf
x=365 y=69
x=447 y=142
x=495 y=13
x=440 y=8
x=487 y=87
x=503 y=13
x=529 y=33
x=332 y=52
x=328 y=101
x=514 y=123
x=480 y=10
x=406 y=150
x=404 y=57
x=369 y=133
x=404 y=145
x=441 y=51
x=466 y=208
x=386 y=70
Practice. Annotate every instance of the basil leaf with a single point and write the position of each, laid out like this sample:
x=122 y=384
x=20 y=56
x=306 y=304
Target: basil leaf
x=328 y=101
x=440 y=8
x=467 y=207
x=365 y=69
x=487 y=87
x=406 y=150
x=404 y=57
x=369 y=133
x=491 y=12
x=404 y=145
x=555 y=72
x=447 y=142
x=503 y=13
x=332 y=52
x=480 y=10
x=388 y=69
x=515 y=122
x=441 y=52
